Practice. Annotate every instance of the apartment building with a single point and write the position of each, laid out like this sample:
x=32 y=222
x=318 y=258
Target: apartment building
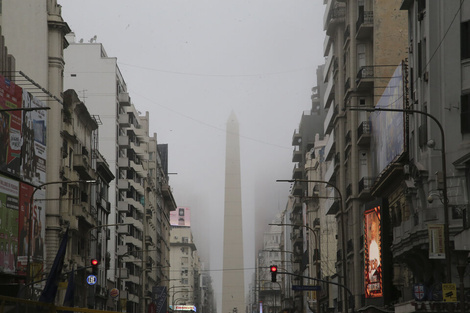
x=322 y=231
x=365 y=43
x=140 y=196
x=185 y=263
x=34 y=33
x=84 y=200
x=303 y=140
x=431 y=194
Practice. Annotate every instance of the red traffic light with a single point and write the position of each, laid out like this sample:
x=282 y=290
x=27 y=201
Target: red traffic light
x=273 y=268
x=94 y=262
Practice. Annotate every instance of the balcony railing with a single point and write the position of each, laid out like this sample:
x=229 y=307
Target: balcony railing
x=364 y=18
x=364 y=133
x=365 y=184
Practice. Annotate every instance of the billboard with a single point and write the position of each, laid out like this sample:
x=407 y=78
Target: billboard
x=388 y=128
x=32 y=221
x=22 y=134
x=373 y=252
x=180 y=217
x=10 y=127
x=9 y=192
x=33 y=145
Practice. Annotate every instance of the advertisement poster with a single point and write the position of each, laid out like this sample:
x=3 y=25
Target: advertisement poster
x=9 y=191
x=180 y=217
x=10 y=127
x=388 y=130
x=33 y=143
x=436 y=241
x=373 y=253
x=159 y=295
x=32 y=243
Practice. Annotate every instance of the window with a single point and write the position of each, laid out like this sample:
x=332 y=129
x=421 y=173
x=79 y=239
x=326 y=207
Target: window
x=465 y=114
x=465 y=40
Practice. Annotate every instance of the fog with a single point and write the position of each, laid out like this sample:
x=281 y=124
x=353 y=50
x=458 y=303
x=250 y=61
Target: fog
x=190 y=63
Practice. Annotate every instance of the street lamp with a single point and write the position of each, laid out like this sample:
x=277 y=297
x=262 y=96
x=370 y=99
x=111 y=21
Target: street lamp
x=31 y=207
x=343 y=238
x=448 y=258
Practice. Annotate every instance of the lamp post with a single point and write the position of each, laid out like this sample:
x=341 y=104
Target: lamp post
x=31 y=207
x=343 y=232
x=448 y=258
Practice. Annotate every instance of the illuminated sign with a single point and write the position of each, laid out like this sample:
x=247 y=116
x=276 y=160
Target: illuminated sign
x=184 y=308
x=373 y=253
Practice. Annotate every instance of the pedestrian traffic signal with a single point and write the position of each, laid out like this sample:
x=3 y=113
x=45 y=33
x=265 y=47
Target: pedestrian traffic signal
x=273 y=269
x=94 y=266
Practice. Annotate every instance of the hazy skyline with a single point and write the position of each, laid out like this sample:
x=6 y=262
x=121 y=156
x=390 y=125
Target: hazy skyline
x=190 y=63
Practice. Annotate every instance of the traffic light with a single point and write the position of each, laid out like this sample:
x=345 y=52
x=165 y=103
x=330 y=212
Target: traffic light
x=273 y=269
x=94 y=266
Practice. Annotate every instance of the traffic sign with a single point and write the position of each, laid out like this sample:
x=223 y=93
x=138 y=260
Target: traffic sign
x=91 y=279
x=305 y=287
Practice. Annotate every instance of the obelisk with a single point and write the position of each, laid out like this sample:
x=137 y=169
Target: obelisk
x=233 y=282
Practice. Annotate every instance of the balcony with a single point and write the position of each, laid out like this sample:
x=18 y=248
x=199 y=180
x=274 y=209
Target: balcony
x=297 y=155
x=123 y=184
x=123 y=206
x=326 y=45
x=296 y=218
x=297 y=207
x=297 y=189
x=330 y=146
x=347 y=87
x=329 y=119
x=365 y=25
x=297 y=172
x=331 y=203
x=347 y=36
x=333 y=17
x=139 y=168
x=364 y=133
x=337 y=160
x=82 y=166
x=365 y=78
x=296 y=138
x=124 y=120
x=348 y=191
x=124 y=142
x=348 y=141
x=82 y=211
x=123 y=229
x=69 y=174
x=137 y=224
x=365 y=186
x=329 y=95
x=138 y=148
x=124 y=99
x=330 y=172
x=349 y=247
x=123 y=162
x=328 y=62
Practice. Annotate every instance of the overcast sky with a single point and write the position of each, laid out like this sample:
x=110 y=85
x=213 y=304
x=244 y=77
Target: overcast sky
x=190 y=63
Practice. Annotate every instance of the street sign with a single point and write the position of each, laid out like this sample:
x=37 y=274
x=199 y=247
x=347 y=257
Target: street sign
x=91 y=279
x=449 y=292
x=305 y=287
